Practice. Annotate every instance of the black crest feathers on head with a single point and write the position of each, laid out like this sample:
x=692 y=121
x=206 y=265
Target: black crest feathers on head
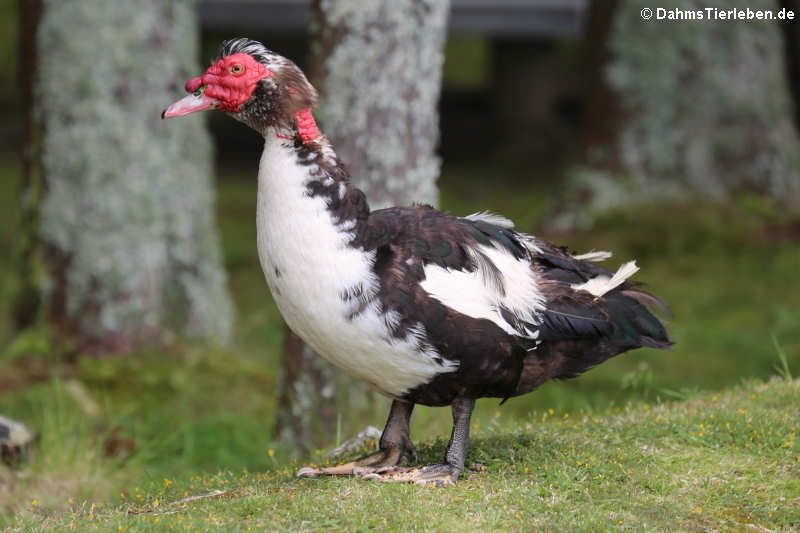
x=243 y=45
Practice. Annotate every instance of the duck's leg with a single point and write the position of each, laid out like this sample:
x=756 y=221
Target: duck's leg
x=448 y=472
x=395 y=444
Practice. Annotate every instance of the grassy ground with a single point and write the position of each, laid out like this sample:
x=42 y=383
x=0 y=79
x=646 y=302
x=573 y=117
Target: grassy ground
x=110 y=425
x=716 y=461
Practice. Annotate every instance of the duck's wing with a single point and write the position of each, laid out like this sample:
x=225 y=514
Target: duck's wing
x=585 y=300
x=481 y=267
x=477 y=266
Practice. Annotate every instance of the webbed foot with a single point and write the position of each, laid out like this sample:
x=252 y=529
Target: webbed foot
x=380 y=460
x=438 y=475
x=443 y=474
x=395 y=448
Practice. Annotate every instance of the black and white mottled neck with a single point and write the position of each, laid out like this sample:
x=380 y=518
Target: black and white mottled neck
x=311 y=222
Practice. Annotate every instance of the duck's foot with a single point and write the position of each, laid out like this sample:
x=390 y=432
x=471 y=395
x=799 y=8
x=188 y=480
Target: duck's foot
x=437 y=475
x=443 y=474
x=378 y=461
x=395 y=446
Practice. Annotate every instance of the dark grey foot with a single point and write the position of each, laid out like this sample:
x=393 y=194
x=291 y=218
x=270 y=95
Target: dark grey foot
x=379 y=460
x=437 y=475
x=395 y=448
x=443 y=474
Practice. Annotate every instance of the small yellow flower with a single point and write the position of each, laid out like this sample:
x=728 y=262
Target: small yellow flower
x=35 y=503
x=167 y=482
x=271 y=452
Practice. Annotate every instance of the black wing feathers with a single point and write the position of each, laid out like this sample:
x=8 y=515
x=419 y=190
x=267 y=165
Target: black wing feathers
x=558 y=324
x=557 y=265
x=619 y=315
x=490 y=234
x=636 y=325
x=438 y=238
x=431 y=237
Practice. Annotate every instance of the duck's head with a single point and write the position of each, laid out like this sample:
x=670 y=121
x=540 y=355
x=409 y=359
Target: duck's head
x=255 y=86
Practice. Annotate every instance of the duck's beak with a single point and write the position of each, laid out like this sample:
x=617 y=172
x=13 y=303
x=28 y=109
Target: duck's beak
x=197 y=101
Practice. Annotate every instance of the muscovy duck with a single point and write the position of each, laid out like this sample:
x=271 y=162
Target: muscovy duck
x=426 y=307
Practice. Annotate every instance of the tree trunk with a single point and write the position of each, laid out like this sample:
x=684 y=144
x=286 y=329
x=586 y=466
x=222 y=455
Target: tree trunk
x=791 y=32
x=706 y=113
x=27 y=300
x=602 y=114
x=378 y=65
x=126 y=240
x=381 y=66
x=307 y=396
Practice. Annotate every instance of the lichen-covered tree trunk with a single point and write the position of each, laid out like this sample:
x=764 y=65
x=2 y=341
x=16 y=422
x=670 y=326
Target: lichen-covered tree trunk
x=707 y=111
x=379 y=66
x=603 y=117
x=26 y=301
x=791 y=32
x=127 y=248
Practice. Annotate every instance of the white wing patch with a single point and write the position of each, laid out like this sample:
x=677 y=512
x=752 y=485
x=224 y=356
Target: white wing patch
x=594 y=257
x=491 y=218
x=479 y=295
x=600 y=285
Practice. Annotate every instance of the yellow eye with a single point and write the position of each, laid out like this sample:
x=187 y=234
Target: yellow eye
x=237 y=69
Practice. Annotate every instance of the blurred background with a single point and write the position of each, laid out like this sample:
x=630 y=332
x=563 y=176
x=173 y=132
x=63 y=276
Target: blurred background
x=138 y=338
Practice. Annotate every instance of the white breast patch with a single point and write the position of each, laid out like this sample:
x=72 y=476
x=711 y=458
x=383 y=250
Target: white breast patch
x=316 y=267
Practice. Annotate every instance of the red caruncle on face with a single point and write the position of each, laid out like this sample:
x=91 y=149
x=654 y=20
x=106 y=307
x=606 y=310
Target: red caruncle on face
x=231 y=80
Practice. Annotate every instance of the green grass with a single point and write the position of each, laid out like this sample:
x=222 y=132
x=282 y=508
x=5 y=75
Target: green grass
x=191 y=411
x=716 y=461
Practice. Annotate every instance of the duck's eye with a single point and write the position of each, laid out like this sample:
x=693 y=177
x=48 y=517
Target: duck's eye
x=237 y=69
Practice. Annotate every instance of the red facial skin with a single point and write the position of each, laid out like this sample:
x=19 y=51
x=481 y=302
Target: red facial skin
x=231 y=80
x=306 y=125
